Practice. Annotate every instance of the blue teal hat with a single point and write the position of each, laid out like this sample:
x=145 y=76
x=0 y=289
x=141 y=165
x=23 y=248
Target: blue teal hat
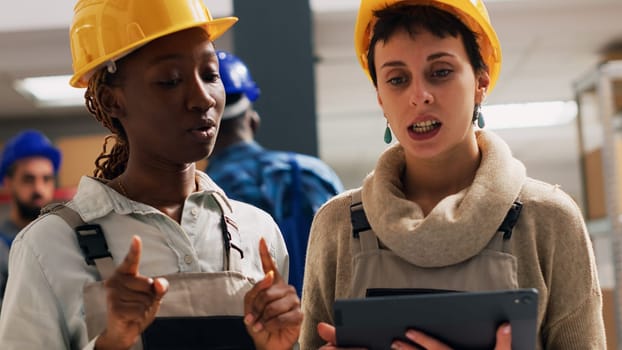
x=28 y=143
x=236 y=77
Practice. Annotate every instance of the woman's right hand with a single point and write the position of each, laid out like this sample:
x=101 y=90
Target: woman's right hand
x=503 y=342
x=328 y=333
x=133 y=301
x=272 y=308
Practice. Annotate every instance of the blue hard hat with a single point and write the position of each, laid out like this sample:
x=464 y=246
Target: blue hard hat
x=28 y=143
x=236 y=77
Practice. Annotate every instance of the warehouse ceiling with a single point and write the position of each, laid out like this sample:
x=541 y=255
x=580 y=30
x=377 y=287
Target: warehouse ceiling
x=548 y=46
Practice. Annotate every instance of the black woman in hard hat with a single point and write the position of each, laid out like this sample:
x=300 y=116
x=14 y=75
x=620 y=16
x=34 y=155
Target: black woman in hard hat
x=202 y=271
x=447 y=207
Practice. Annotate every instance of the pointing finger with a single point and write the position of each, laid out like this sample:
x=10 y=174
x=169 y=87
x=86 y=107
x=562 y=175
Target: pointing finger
x=129 y=265
x=267 y=262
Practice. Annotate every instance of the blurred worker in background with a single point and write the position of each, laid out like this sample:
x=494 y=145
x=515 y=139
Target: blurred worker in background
x=28 y=169
x=289 y=186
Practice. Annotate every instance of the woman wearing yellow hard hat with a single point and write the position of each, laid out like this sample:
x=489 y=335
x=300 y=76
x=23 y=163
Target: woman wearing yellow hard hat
x=150 y=253
x=447 y=208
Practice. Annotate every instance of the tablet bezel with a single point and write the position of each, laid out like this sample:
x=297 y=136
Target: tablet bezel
x=463 y=320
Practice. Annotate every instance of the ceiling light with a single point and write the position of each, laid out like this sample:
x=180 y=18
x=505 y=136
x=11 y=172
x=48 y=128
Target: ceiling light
x=527 y=115
x=50 y=91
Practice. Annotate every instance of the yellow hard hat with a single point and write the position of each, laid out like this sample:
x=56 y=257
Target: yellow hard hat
x=106 y=30
x=473 y=13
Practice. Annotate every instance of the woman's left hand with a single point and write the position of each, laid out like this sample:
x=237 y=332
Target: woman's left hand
x=272 y=308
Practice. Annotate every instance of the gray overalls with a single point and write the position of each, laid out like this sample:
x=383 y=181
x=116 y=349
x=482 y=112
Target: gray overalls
x=200 y=310
x=379 y=271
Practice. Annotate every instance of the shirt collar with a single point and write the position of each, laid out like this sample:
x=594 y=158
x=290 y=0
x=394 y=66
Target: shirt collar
x=95 y=199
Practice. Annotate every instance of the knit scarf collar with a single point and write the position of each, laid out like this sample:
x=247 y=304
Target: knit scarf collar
x=461 y=225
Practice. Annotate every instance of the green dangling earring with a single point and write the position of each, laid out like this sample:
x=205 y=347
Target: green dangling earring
x=477 y=115
x=480 y=119
x=387 y=135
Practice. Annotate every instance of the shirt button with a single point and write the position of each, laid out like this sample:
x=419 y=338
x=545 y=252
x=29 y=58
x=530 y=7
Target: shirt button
x=188 y=259
x=194 y=212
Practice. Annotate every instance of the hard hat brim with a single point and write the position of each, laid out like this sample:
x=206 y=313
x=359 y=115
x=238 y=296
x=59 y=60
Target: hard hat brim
x=214 y=28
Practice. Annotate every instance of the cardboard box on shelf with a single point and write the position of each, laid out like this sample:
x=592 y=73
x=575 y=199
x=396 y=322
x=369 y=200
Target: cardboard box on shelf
x=594 y=185
x=617 y=93
x=595 y=182
x=79 y=154
x=609 y=316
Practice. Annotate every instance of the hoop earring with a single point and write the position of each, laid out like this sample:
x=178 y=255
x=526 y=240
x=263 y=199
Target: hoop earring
x=387 y=135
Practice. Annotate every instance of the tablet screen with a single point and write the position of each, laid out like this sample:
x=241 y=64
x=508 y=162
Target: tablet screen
x=463 y=320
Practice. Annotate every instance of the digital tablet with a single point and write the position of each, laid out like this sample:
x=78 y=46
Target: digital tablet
x=462 y=320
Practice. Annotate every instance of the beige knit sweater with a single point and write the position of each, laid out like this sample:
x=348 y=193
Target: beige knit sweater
x=550 y=242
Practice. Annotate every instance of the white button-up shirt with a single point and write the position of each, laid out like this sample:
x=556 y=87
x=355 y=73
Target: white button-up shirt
x=43 y=306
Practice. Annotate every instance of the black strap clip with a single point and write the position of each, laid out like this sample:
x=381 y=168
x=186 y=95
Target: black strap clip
x=358 y=219
x=510 y=219
x=92 y=242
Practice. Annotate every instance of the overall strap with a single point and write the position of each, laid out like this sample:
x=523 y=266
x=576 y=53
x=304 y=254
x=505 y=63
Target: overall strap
x=510 y=219
x=361 y=228
x=90 y=238
x=231 y=236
